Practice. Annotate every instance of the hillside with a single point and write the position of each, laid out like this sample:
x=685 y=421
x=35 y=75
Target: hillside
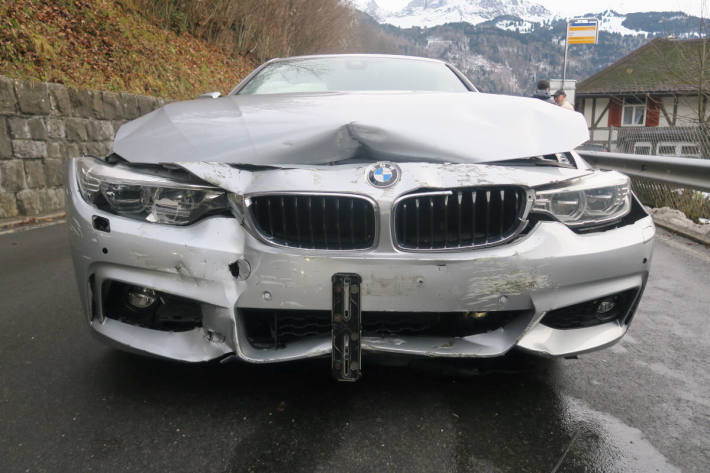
x=510 y=62
x=180 y=48
x=110 y=45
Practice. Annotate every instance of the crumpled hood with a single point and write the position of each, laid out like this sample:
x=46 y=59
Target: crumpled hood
x=303 y=129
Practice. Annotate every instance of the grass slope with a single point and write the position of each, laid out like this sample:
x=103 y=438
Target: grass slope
x=109 y=45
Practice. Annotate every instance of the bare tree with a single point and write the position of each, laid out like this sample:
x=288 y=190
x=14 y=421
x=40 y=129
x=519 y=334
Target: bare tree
x=687 y=64
x=263 y=29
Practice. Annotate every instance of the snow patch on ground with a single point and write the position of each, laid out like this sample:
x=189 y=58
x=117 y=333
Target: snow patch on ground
x=677 y=221
x=520 y=26
x=611 y=22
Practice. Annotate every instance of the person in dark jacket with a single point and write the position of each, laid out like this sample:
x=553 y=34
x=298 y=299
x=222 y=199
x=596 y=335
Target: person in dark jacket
x=543 y=91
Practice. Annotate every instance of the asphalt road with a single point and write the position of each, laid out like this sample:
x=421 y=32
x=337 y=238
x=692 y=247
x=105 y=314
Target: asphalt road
x=69 y=403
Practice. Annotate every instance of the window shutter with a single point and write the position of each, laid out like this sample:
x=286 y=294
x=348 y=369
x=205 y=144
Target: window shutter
x=614 y=112
x=653 y=111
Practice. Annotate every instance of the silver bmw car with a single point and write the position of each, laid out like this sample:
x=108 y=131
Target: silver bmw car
x=348 y=205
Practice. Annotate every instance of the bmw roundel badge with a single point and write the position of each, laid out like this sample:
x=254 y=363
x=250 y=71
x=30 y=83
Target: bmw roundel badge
x=384 y=174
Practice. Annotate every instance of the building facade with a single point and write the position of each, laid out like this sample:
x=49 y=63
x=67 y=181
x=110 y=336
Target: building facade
x=652 y=101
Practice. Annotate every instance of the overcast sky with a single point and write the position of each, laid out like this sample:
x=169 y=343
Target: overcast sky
x=578 y=7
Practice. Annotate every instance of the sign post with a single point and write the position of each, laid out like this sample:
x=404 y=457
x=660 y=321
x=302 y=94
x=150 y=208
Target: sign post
x=580 y=31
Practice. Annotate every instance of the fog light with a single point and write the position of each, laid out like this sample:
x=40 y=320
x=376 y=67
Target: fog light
x=141 y=297
x=608 y=308
x=605 y=306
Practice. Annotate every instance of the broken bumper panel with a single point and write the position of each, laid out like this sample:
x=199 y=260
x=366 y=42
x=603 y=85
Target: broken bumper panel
x=549 y=268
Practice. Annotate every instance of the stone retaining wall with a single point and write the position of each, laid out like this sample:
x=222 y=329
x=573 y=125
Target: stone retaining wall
x=41 y=125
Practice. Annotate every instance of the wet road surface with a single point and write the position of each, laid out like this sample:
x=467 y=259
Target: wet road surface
x=69 y=403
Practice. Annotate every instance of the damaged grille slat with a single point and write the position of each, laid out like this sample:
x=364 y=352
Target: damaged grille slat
x=460 y=218
x=332 y=222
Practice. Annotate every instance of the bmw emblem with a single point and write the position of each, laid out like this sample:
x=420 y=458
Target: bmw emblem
x=384 y=174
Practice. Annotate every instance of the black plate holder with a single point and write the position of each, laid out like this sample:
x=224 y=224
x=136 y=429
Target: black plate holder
x=346 y=327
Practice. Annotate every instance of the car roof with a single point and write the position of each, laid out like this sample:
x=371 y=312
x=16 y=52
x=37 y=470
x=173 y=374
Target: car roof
x=356 y=55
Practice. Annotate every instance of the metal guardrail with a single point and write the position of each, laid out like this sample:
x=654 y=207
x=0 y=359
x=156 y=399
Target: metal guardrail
x=685 y=172
x=689 y=141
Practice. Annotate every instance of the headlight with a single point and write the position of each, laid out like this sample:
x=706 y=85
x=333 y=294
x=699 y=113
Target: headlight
x=591 y=200
x=150 y=197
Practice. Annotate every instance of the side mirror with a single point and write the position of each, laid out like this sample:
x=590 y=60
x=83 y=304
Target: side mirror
x=210 y=95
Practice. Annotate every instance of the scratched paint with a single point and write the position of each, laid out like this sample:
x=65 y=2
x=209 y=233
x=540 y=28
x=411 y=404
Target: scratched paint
x=490 y=284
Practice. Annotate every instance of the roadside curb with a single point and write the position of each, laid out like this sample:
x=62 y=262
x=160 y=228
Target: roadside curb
x=683 y=229
x=21 y=222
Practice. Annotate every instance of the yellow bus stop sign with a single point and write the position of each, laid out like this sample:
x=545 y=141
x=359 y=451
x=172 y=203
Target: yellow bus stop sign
x=583 y=31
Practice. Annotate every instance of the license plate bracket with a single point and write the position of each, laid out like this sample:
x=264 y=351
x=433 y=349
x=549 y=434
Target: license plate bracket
x=346 y=322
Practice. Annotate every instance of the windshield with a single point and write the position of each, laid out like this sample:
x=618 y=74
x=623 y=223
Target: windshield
x=353 y=74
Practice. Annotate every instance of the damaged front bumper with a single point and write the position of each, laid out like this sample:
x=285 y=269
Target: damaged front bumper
x=228 y=277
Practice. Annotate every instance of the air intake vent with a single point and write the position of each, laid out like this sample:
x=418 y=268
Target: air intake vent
x=459 y=218
x=324 y=222
x=267 y=328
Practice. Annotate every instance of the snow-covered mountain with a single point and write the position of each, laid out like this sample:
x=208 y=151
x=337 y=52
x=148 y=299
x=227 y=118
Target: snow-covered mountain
x=504 y=46
x=519 y=15
x=428 y=13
